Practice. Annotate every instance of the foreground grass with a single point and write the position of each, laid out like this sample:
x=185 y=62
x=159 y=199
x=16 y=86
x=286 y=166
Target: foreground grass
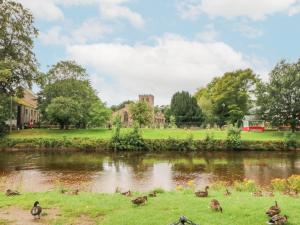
x=147 y=134
x=114 y=209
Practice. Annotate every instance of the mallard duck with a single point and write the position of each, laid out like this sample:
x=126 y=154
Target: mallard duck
x=152 y=194
x=273 y=210
x=36 y=210
x=227 y=192
x=278 y=220
x=202 y=193
x=75 y=192
x=139 y=200
x=10 y=192
x=257 y=194
x=126 y=193
x=215 y=205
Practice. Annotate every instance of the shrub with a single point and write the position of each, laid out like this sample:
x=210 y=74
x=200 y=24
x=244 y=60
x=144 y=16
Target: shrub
x=294 y=182
x=279 y=184
x=234 y=138
x=245 y=185
x=290 y=140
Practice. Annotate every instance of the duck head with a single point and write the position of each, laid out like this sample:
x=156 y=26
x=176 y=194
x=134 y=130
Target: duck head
x=36 y=203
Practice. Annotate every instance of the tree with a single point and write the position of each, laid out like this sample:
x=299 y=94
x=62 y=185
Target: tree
x=279 y=99
x=17 y=33
x=63 y=70
x=74 y=85
x=141 y=113
x=228 y=98
x=185 y=109
x=64 y=111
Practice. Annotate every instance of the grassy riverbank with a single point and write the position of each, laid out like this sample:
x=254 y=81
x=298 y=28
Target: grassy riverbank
x=115 y=209
x=147 y=134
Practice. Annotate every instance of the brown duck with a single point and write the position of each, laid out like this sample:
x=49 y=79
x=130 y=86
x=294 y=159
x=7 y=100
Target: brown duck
x=257 y=194
x=227 y=192
x=202 y=194
x=139 y=200
x=278 y=220
x=273 y=210
x=152 y=194
x=215 y=205
x=126 y=193
x=10 y=192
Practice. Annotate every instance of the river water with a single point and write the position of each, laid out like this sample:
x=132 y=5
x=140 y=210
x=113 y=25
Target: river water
x=102 y=172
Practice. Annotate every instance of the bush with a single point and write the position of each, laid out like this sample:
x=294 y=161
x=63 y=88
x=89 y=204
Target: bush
x=279 y=184
x=290 y=140
x=245 y=185
x=294 y=182
x=234 y=138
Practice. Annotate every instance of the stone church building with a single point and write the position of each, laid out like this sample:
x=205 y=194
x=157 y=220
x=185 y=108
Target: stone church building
x=126 y=119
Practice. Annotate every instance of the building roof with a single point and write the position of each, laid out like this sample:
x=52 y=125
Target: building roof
x=29 y=99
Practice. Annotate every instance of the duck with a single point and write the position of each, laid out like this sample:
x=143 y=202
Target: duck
x=257 y=194
x=273 y=210
x=202 y=194
x=126 y=193
x=278 y=220
x=227 y=192
x=10 y=192
x=215 y=205
x=36 y=210
x=139 y=200
x=152 y=194
x=75 y=192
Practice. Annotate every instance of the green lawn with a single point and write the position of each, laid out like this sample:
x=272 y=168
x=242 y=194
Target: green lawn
x=147 y=133
x=114 y=209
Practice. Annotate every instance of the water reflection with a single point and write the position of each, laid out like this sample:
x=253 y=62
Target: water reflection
x=104 y=172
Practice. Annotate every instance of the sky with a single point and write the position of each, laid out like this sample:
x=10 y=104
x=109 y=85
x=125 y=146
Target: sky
x=132 y=47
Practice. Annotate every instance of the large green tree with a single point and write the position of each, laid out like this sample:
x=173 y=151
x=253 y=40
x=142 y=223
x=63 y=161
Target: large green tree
x=76 y=86
x=17 y=34
x=185 y=109
x=141 y=113
x=279 y=98
x=64 y=111
x=228 y=98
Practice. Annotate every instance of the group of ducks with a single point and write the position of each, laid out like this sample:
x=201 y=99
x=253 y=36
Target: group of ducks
x=35 y=211
x=273 y=212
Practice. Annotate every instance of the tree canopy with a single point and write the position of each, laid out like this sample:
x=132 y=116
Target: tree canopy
x=73 y=86
x=228 y=98
x=279 y=98
x=141 y=113
x=185 y=109
x=17 y=34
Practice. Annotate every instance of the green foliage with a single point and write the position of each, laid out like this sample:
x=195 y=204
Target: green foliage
x=115 y=108
x=4 y=113
x=64 y=111
x=290 y=140
x=141 y=113
x=173 y=122
x=68 y=79
x=17 y=33
x=279 y=98
x=227 y=99
x=245 y=185
x=185 y=109
x=233 y=138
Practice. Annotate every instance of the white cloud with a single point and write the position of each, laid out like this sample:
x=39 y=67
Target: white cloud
x=45 y=9
x=89 y=30
x=113 y=9
x=252 y=9
x=109 y=9
x=171 y=65
x=208 y=35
